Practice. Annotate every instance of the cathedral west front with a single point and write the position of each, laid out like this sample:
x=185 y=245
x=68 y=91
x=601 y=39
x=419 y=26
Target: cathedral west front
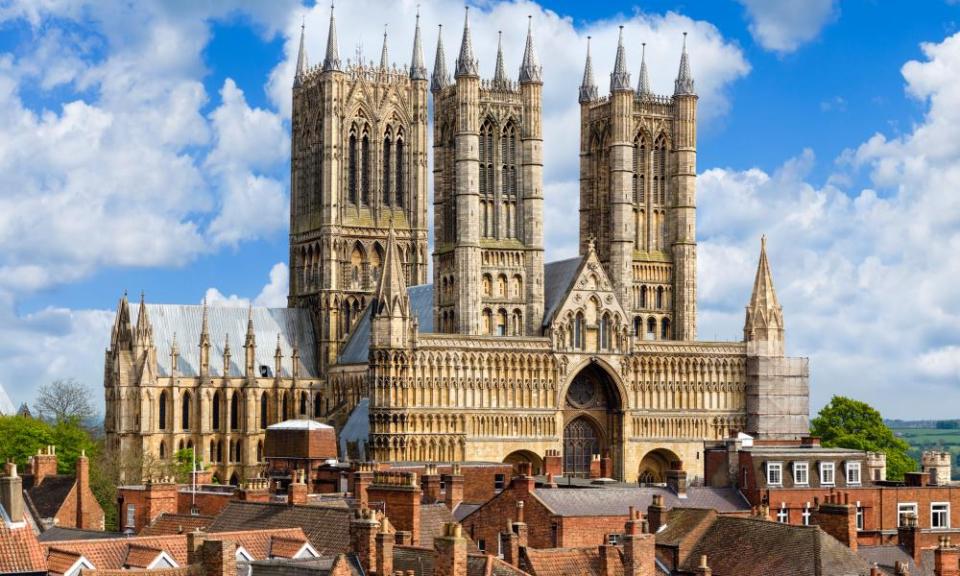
x=504 y=357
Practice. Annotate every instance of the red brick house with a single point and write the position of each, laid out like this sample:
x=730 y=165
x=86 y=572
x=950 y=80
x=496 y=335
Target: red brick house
x=63 y=500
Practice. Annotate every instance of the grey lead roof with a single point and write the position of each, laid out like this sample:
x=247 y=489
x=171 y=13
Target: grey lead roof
x=292 y=324
x=616 y=501
x=357 y=348
x=557 y=277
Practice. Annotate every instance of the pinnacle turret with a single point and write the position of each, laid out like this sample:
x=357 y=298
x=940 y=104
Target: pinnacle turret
x=392 y=291
x=643 y=88
x=530 y=70
x=467 y=64
x=331 y=60
x=499 y=75
x=417 y=70
x=588 y=88
x=684 y=83
x=440 y=78
x=620 y=77
x=384 y=57
x=251 y=338
x=144 y=330
x=763 y=327
x=302 y=63
x=205 y=326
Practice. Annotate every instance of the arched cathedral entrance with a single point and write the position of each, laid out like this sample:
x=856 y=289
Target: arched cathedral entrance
x=593 y=420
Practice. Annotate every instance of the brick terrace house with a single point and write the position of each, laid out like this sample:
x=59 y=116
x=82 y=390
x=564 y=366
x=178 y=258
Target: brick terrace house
x=20 y=552
x=64 y=500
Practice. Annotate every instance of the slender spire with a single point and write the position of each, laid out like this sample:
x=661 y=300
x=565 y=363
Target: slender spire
x=530 y=70
x=440 y=78
x=392 y=290
x=250 y=334
x=143 y=331
x=205 y=326
x=643 y=89
x=417 y=70
x=226 y=355
x=588 y=88
x=684 y=83
x=302 y=63
x=764 y=296
x=763 y=327
x=620 y=77
x=499 y=75
x=384 y=58
x=467 y=65
x=332 y=59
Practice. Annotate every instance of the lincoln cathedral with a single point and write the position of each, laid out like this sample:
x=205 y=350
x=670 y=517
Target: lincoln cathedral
x=503 y=357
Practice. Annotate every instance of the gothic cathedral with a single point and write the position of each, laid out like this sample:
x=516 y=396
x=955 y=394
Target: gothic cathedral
x=503 y=357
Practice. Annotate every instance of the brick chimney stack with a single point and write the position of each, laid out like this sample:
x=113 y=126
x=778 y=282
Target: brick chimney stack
x=454 y=487
x=364 y=528
x=704 y=569
x=362 y=478
x=11 y=492
x=656 y=513
x=677 y=479
x=639 y=547
x=908 y=536
x=553 y=462
x=451 y=552
x=384 y=555
x=838 y=519
x=84 y=520
x=219 y=558
x=401 y=495
x=195 y=542
x=43 y=464
x=298 y=491
x=430 y=484
x=608 y=560
x=946 y=558
x=510 y=545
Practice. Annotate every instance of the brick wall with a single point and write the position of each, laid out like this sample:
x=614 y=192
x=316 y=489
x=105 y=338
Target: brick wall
x=487 y=522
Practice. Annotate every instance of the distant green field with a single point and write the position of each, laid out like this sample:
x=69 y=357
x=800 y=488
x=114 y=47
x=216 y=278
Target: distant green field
x=921 y=439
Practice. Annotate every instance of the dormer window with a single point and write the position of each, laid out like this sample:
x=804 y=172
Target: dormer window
x=774 y=473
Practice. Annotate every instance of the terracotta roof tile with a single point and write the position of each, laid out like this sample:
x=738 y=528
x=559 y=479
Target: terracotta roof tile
x=139 y=556
x=19 y=550
x=282 y=547
x=566 y=561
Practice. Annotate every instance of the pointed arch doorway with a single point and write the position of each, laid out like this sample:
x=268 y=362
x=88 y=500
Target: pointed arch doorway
x=593 y=422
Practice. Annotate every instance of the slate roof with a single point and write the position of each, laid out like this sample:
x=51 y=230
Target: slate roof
x=616 y=501
x=327 y=527
x=557 y=278
x=292 y=324
x=357 y=348
x=758 y=547
x=47 y=498
x=59 y=533
x=682 y=523
x=302 y=567
x=167 y=523
x=886 y=558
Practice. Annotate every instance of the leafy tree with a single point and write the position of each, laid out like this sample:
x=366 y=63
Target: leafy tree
x=21 y=438
x=63 y=400
x=848 y=423
x=71 y=439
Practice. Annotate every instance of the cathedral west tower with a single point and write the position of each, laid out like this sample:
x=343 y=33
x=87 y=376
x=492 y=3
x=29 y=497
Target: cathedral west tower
x=358 y=164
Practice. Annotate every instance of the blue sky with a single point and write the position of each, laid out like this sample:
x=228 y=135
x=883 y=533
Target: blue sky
x=147 y=148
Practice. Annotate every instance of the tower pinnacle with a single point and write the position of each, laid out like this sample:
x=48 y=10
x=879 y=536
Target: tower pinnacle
x=392 y=291
x=467 y=64
x=643 y=89
x=440 y=77
x=620 y=77
x=499 y=75
x=588 y=88
x=417 y=70
x=332 y=59
x=763 y=328
x=384 y=58
x=302 y=63
x=530 y=70
x=684 y=83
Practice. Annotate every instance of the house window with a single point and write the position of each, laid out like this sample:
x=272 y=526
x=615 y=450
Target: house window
x=905 y=509
x=940 y=515
x=853 y=473
x=783 y=516
x=613 y=539
x=806 y=514
x=131 y=516
x=801 y=473
x=482 y=545
x=498 y=481
x=774 y=473
x=859 y=516
x=827 y=473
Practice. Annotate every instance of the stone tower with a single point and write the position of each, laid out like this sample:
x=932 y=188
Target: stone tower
x=359 y=164
x=488 y=196
x=638 y=194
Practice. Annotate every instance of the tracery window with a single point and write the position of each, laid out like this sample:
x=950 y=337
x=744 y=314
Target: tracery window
x=352 y=168
x=508 y=144
x=235 y=411
x=486 y=181
x=401 y=182
x=263 y=411
x=215 y=413
x=580 y=443
x=163 y=410
x=185 y=411
x=387 y=171
x=365 y=170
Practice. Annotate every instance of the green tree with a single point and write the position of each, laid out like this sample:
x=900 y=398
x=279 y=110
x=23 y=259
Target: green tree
x=21 y=438
x=848 y=423
x=71 y=439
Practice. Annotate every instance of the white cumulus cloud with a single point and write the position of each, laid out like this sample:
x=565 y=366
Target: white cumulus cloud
x=783 y=26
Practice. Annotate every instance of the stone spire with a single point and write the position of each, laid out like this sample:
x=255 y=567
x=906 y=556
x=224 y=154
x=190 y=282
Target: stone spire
x=332 y=59
x=499 y=75
x=530 y=70
x=392 y=291
x=251 y=339
x=143 y=334
x=763 y=328
x=588 y=88
x=417 y=70
x=684 y=82
x=643 y=88
x=620 y=77
x=250 y=347
x=440 y=78
x=302 y=63
x=278 y=358
x=467 y=65
x=205 y=325
x=226 y=355
x=122 y=331
x=384 y=58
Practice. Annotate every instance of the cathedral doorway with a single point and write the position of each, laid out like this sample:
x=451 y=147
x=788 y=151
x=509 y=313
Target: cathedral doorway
x=593 y=420
x=653 y=468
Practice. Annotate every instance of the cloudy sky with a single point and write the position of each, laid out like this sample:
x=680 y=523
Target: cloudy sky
x=145 y=146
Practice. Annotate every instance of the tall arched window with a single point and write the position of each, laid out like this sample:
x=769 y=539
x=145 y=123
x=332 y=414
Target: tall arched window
x=487 y=222
x=508 y=154
x=185 y=411
x=517 y=322
x=487 y=321
x=643 y=296
x=605 y=332
x=285 y=406
x=263 y=411
x=365 y=170
x=578 y=329
x=260 y=451
x=303 y=403
x=665 y=329
x=638 y=327
x=387 y=170
x=317 y=406
x=163 y=450
x=235 y=411
x=352 y=168
x=660 y=171
x=502 y=322
x=639 y=170
x=216 y=410
x=401 y=183
x=163 y=410
x=651 y=328
x=660 y=298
